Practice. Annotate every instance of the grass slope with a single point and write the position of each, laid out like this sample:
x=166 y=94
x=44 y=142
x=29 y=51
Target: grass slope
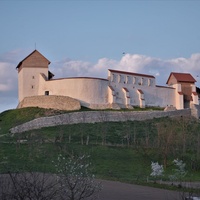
x=119 y=150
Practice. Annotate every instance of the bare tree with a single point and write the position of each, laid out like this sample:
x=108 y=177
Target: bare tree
x=75 y=178
x=103 y=118
x=166 y=140
x=28 y=186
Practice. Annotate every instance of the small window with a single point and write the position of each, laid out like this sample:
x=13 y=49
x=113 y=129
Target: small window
x=134 y=80
x=143 y=81
x=33 y=77
x=32 y=86
x=149 y=82
x=46 y=93
x=112 y=77
x=127 y=79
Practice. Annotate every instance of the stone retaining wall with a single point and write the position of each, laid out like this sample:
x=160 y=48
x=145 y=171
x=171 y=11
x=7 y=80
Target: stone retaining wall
x=96 y=116
x=51 y=101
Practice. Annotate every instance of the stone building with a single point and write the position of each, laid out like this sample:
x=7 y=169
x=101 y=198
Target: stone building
x=36 y=87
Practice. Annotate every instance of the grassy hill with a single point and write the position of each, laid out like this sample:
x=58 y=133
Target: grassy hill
x=118 y=150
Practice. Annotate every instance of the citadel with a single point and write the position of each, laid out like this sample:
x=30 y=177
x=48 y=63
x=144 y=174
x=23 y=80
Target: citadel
x=36 y=87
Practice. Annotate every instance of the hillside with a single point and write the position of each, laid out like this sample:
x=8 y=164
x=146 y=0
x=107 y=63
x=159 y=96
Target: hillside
x=119 y=150
x=11 y=118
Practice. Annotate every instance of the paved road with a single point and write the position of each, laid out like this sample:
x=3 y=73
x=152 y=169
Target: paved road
x=122 y=191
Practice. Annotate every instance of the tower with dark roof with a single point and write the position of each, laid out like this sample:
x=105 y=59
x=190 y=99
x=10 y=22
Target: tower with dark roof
x=29 y=70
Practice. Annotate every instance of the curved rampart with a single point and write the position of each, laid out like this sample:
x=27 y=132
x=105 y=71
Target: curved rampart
x=95 y=116
x=91 y=92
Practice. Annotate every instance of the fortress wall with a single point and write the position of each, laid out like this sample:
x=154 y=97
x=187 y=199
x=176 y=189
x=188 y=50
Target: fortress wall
x=96 y=116
x=155 y=96
x=54 y=102
x=89 y=91
x=160 y=97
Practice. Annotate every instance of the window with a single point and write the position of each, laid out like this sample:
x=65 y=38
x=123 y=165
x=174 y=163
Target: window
x=127 y=79
x=134 y=80
x=46 y=93
x=113 y=77
x=143 y=81
x=33 y=77
x=119 y=78
x=32 y=86
x=149 y=82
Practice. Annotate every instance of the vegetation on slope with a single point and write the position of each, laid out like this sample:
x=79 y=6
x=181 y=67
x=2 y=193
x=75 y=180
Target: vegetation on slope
x=119 y=150
x=11 y=118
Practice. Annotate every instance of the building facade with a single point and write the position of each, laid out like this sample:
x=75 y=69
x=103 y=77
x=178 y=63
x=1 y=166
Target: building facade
x=120 y=90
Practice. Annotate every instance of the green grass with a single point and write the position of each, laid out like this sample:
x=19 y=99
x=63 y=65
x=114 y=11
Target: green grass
x=109 y=162
x=112 y=156
x=11 y=118
x=113 y=163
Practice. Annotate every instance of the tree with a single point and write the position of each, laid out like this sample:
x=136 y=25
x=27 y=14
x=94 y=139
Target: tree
x=75 y=178
x=157 y=170
x=28 y=186
x=167 y=138
x=179 y=172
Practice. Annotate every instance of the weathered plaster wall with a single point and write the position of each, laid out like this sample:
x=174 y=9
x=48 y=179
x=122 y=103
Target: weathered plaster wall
x=152 y=95
x=28 y=81
x=161 y=96
x=91 y=92
x=95 y=116
x=54 y=102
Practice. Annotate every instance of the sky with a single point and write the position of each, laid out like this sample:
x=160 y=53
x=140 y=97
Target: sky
x=88 y=37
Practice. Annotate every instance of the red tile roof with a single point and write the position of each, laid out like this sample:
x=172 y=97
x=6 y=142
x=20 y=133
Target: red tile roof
x=182 y=77
x=130 y=73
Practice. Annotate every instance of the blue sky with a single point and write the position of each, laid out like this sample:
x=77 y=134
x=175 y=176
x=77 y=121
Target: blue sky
x=85 y=38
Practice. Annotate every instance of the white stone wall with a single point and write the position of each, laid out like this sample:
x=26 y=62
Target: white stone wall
x=159 y=96
x=121 y=89
x=91 y=92
x=152 y=95
x=28 y=81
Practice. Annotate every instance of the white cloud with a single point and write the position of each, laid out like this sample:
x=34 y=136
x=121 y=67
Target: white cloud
x=132 y=63
x=8 y=80
x=8 y=76
x=72 y=68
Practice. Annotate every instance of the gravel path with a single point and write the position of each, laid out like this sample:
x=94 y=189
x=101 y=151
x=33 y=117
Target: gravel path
x=123 y=191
